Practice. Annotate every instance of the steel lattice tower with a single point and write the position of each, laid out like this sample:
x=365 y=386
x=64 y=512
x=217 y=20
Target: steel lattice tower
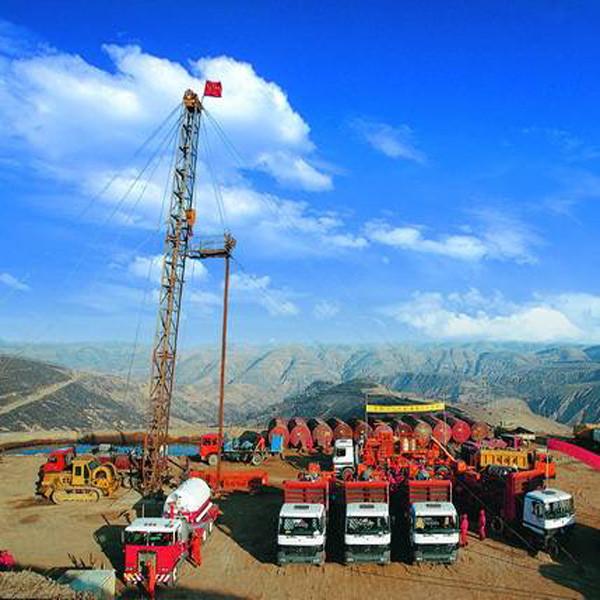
x=179 y=230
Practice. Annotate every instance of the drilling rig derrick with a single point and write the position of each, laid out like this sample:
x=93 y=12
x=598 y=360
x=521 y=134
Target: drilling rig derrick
x=180 y=221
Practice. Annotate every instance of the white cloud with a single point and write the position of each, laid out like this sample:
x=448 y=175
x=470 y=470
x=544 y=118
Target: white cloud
x=259 y=290
x=395 y=142
x=150 y=267
x=500 y=238
x=82 y=120
x=325 y=309
x=474 y=316
x=12 y=282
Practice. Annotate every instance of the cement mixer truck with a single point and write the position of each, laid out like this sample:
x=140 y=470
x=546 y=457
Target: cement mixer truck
x=156 y=548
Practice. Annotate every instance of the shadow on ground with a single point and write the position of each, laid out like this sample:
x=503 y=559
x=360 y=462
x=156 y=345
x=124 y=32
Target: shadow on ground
x=250 y=523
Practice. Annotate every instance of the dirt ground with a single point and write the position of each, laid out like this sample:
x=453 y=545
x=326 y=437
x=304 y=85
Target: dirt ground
x=239 y=558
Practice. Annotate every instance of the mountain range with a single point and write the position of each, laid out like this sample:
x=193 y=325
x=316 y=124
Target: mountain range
x=42 y=386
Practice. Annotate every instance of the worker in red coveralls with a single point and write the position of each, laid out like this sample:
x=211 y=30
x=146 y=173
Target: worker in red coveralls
x=482 y=532
x=464 y=530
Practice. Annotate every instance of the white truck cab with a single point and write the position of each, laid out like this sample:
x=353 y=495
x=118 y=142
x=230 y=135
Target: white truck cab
x=343 y=458
x=367 y=535
x=434 y=532
x=301 y=533
x=548 y=512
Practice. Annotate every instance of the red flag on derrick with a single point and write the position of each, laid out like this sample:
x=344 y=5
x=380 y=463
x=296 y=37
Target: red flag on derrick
x=213 y=88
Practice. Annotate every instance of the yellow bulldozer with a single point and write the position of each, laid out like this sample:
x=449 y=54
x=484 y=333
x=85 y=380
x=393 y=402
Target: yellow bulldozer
x=83 y=480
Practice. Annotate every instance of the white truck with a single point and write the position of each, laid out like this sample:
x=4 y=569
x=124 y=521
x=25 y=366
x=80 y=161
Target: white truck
x=367 y=527
x=344 y=458
x=302 y=523
x=432 y=521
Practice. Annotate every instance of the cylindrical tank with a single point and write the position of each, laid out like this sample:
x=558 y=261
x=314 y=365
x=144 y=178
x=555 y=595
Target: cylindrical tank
x=461 y=431
x=381 y=427
x=401 y=428
x=191 y=496
x=441 y=431
x=277 y=422
x=322 y=434
x=421 y=429
x=479 y=429
x=361 y=429
x=278 y=426
x=341 y=429
x=300 y=438
x=294 y=421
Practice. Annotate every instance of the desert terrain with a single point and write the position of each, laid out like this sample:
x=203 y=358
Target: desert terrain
x=238 y=560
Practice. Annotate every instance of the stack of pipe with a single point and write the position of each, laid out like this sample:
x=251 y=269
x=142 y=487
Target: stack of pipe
x=341 y=430
x=441 y=431
x=300 y=436
x=361 y=429
x=421 y=430
x=278 y=426
x=461 y=430
x=479 y=429
x=322 y=434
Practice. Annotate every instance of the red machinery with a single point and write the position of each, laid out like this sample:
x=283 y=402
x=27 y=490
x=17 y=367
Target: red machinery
x=247 y=480
x=249 y=448
x=157 y=548
x=58 y=460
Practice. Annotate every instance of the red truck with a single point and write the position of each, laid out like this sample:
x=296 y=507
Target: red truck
x=249 y=448
x=519 y=500
x=156 y=549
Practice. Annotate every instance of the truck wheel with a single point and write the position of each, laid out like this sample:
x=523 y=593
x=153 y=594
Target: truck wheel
x=257 y=459
x=347 y=474
x=212 y=460
x=497 y=525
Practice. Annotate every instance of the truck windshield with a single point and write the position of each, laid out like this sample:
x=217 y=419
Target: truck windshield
x=340 y=452
x=441 y=524
x=367 y=525
x=144 y=538
x=559 y=509
x=298 y=526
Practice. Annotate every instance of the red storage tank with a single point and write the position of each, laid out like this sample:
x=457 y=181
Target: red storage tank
x=479 y=429
x=461 y=431
x=401 y=428
x=441 y=431
x=380 y=427
x=341 y=429
x=301 y=438
x=322 y=434
x=281 y=430
x=361 y=429
x=296 y=421
x=421 y=429
x=276 y=422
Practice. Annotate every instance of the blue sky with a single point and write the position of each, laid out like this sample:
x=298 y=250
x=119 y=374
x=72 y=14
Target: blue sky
x=400 y=171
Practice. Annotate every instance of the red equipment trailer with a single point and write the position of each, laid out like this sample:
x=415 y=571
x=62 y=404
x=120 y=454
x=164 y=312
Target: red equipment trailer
x=248 y=480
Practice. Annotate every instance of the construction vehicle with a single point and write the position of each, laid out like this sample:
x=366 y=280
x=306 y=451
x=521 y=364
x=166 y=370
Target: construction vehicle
x=247 y=448
x=431 y=519
x=367 y=526
x=519 y=501
x=58 y=460
x=83 y=479
x=155 y=549
x=302 y=523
